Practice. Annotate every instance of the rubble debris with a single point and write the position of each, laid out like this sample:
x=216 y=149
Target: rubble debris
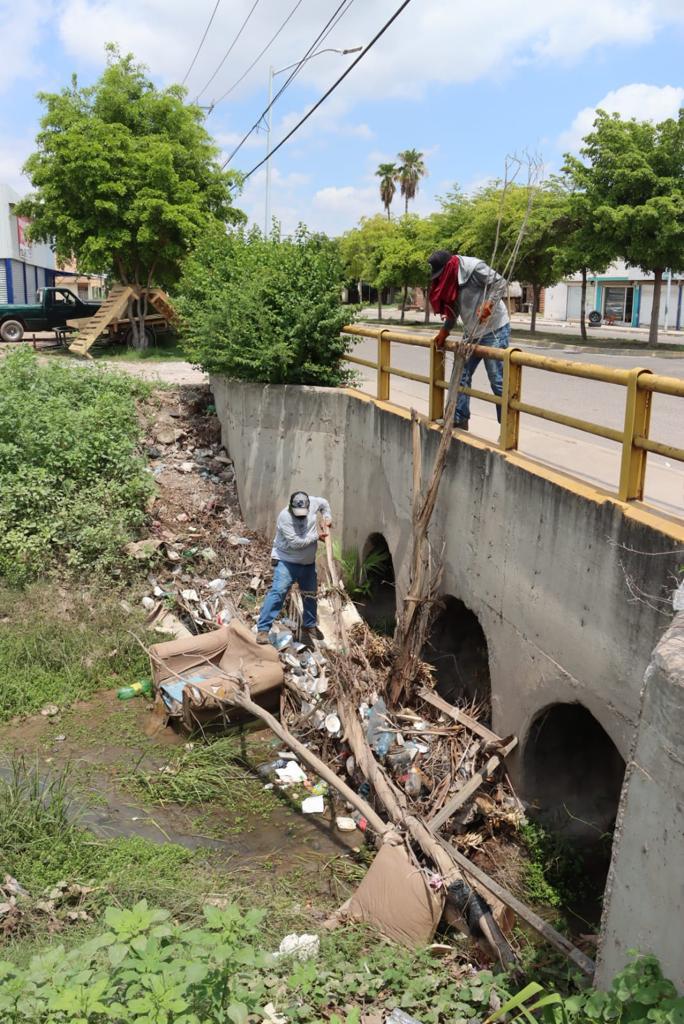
x=49 y=711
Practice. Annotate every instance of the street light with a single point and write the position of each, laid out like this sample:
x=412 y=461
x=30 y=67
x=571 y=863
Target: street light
x=271 y=75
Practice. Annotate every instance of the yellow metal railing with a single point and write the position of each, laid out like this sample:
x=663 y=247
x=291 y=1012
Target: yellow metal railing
x=639 y=383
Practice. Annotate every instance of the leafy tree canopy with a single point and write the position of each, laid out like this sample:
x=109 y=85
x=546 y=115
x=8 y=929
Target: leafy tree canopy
x=125 y=175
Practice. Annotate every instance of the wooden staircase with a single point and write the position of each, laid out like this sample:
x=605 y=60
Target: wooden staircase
x=111 y=309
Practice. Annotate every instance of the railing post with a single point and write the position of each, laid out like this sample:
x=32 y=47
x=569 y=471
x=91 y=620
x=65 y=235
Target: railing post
x=384 y=356
x=437 y=371
x=637 y=422
x=512 y=387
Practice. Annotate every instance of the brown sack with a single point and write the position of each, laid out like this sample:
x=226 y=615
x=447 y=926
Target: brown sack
x=258 y=663
x=395 y=898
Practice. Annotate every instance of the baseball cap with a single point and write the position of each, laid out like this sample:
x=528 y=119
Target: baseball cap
x=438 y=261
x=299 y=503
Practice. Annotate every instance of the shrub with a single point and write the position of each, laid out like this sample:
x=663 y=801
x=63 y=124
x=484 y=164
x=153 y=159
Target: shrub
x=266 y=309
x=72 y=484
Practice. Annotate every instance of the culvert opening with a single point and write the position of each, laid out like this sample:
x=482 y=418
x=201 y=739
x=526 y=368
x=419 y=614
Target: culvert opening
x=375 y=593
x=573 y=774
x=457 y=650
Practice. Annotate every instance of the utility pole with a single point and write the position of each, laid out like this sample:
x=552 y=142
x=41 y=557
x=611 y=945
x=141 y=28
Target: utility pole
x=271 y=76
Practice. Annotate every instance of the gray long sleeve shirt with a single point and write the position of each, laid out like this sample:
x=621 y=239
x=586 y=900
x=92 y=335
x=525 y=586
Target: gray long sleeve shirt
x=476 y=283
x=296 y=538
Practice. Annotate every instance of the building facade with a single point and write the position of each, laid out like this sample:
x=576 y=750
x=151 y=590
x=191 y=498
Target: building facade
x=24 y=266
x=623 y=295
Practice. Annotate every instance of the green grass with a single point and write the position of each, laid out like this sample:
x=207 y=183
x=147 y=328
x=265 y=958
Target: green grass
x=58 y=646
x=213 y=774
x=170 y=349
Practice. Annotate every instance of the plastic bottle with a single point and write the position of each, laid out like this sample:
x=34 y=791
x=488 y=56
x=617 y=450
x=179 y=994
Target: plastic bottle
x=143 y=688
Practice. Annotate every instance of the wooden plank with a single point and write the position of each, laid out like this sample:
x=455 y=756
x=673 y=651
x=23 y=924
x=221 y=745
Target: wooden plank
x=462 y=795
x=110 y=310
x=459 y=716
x=558 y=941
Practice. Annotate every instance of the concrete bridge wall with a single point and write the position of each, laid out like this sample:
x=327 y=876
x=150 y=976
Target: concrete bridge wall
x=549 y=566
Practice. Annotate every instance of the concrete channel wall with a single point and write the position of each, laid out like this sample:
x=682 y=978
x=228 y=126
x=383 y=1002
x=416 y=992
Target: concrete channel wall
x=645 y=892
x=552 y=568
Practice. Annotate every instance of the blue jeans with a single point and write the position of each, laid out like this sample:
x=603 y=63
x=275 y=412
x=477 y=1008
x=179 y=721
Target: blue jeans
x=284 y=575
x=494 y=368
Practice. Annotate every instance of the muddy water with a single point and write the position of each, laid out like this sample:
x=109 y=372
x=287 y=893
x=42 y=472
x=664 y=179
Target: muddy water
x=105 y=739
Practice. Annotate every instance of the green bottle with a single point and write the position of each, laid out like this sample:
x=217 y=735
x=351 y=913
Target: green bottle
x=135 y=690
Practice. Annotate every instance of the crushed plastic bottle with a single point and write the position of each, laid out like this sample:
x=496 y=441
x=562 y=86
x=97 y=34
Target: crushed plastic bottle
x=144 y=688
x=378 y=740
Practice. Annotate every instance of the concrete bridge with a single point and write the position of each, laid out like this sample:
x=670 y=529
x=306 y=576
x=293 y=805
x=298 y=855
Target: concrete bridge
x=556 y=595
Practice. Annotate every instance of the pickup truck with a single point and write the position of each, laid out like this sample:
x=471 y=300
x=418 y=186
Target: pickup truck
x=50 y=312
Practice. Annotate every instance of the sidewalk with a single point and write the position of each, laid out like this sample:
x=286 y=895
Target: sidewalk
x=549 y=332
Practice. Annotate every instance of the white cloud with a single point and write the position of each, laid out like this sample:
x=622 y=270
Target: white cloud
x=645 y=102
x=19 y=35
x=13 y=153
x=440 y=41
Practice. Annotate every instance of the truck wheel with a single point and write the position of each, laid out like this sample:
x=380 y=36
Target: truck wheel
x=11 y=330
x=594 y=318
x=150 y=337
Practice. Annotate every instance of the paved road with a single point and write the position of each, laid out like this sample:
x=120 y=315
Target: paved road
x=583 y=455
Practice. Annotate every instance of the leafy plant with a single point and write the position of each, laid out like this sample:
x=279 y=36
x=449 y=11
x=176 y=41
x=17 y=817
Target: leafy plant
x=554 y=874
x=266 y=309
x=360 y=578
x=72 y=483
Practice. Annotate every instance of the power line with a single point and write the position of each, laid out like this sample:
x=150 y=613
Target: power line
x=298 y=66
x=325 y=95
x=197 y=51
x=258 y=57
x=230 y=49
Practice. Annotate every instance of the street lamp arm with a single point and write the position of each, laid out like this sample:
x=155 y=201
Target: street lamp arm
x=329 y=49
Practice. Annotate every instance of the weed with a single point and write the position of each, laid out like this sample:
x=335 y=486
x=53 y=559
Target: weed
x=211 y=773
x=57 y=647
x=360 y=577
x=555 y=875
x=72 y=484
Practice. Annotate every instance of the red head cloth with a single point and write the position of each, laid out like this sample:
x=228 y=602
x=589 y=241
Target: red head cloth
x=444 y=290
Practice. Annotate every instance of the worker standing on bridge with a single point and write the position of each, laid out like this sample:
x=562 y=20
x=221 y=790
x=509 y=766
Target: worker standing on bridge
x=466 y=286
x=300 y=526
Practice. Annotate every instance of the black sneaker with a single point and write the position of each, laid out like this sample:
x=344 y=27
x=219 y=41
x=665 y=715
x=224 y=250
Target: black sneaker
x=461 y=425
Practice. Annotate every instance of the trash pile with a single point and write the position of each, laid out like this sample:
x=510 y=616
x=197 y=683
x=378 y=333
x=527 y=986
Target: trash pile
x=203 y=564
x=58 y=906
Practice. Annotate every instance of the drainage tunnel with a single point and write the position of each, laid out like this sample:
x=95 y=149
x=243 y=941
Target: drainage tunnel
x=572 y=778
x=376 y=596
x=457 y=649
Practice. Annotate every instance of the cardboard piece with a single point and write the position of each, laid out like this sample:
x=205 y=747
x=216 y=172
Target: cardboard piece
x=202 y=662
x=395 y=898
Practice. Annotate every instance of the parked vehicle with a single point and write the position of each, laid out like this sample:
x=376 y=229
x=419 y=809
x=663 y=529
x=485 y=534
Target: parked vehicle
x=50 y=312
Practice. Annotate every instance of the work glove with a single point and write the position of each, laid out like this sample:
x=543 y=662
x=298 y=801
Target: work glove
x=485 y=311
x=440 y=338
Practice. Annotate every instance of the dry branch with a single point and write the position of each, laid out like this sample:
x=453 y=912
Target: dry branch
x=470 y=787
x=459 y=716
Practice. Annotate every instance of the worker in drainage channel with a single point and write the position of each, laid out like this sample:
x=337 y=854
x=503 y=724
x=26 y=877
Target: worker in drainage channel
x=298 y=531
x=466 y=286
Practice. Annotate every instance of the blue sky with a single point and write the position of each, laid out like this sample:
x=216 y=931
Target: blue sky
x=465 y=83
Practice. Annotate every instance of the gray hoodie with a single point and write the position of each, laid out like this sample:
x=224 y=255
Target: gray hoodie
x=476 y=283
x=296 y=538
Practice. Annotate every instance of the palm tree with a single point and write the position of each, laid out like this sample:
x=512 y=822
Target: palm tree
x=388 y=184
x=411 y=170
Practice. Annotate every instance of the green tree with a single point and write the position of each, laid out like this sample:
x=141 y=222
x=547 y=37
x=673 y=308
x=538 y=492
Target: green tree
x=125 y=177
x=493 y=224
x=404 y=256
x=411 y=169
x=266 y=309
x=583 y=248
x=362 y=250
x=388 y=184
x=634 y=178
x=451 y=218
